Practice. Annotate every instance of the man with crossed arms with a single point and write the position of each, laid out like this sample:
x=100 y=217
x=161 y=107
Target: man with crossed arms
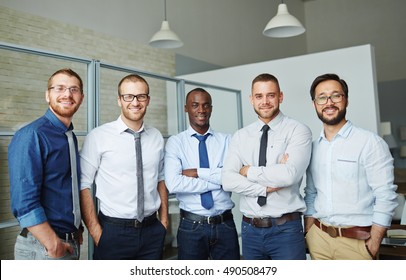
x=270 y=200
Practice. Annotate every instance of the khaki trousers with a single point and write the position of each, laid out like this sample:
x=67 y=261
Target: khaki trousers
x=324 y=247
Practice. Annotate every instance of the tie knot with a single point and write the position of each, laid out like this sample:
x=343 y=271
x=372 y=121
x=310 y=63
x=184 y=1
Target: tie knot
x=135 y=134
x=201 y=137
x=265 y=128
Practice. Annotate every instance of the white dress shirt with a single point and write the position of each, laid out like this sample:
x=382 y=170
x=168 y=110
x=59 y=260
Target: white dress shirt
x=108 y=159
x=182 y=152
x=350 y=179
x=285 y=136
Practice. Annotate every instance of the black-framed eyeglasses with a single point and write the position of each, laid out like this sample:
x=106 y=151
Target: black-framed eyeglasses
x=61 y=89
x=130 y=97
x=335 y=98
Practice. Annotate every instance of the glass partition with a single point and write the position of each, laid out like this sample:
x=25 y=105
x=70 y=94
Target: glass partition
x=23 y=82
x=24 y=73
x=156 y=115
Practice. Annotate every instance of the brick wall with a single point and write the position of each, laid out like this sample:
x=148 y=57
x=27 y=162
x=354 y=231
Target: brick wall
x=23 y=81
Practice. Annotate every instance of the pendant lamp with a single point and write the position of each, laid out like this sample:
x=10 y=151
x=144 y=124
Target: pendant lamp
x=283 y=24
x=165 y=38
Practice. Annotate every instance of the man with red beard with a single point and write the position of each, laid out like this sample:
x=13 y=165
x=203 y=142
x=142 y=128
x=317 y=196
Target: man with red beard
x=124 y=159
x=265 y=165
x=40 y=176
x=350 y=195
x=193 y=163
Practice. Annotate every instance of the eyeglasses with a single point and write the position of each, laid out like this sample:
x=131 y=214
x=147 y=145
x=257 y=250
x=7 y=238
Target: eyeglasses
x=335 y=98
x=130 y=97
x=62 y=89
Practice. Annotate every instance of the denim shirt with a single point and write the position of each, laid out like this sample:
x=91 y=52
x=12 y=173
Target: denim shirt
x=40 y=174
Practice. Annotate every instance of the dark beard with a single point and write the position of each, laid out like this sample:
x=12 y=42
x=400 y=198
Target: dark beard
x=336 y=120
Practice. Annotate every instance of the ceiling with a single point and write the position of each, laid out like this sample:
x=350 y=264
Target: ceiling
x=229 y=32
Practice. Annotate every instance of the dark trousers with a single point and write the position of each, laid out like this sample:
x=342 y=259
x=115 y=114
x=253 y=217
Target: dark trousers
x=121 y=241
x=202 y=241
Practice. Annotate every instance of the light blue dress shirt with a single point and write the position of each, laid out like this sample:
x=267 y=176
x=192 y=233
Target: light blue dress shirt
x=182 y=152
x=350 y=179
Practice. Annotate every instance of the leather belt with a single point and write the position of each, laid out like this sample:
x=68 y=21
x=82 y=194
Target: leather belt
x=218 y=219
x=269 y=222
x=147 y=221
x=362 y=233
x=65 y=236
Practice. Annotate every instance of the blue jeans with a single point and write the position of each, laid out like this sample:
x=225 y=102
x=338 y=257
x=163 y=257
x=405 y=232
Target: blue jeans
x=29 y=248
x=279 y=242
x=202 y=241
x=122 y=242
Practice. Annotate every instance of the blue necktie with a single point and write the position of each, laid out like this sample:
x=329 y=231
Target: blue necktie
x=207 y=197
x=262 y=157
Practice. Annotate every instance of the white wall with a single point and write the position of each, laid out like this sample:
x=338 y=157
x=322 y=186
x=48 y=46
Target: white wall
x=355 y=65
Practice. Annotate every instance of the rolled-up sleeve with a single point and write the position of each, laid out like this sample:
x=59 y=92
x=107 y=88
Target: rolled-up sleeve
x=26 y=175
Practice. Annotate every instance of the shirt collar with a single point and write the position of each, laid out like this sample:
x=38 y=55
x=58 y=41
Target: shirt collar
x=273 y=124
x=191 y=131
x=122 y=127
x=56 y=122
x=343 y=132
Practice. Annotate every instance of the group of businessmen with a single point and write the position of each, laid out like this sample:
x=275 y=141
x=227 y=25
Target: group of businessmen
x=349 y=195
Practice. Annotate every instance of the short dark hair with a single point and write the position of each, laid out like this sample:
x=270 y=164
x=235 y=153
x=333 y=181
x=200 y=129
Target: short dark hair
x=69 y=72
x=133 y=78
x=265 y=77
x=327 y=77
x=198 y=89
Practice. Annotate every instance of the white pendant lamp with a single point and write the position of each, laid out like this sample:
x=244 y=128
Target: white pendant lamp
x=283 y=24
x=165 y=38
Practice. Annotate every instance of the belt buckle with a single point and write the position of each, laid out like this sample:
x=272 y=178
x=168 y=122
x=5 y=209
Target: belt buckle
x=75 y=235
x=137 y=224
x=332 y=231
x=71 y=236
x=208 y=220
x=214 y=219
x=67 y=235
